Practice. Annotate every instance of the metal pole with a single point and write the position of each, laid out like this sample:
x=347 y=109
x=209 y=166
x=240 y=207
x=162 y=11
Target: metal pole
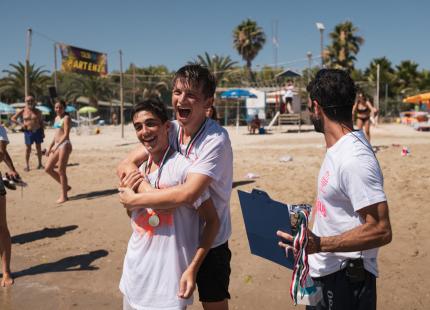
x=121 y=93
x=309 y=54
x=55 y=67
x=378 y=69
x=134 y=84
x=322 y=47
x=27 y=63
x=386 y=98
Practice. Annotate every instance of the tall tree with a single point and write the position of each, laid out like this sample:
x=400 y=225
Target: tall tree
x=408 y=77
x=218 y=65
x=248 y=40
x=12 y=86
x=95 y=88
x=345 y=46
x=386 y=75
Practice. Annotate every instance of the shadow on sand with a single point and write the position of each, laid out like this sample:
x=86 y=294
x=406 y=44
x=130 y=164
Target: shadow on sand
x=71 y=263
x=240 y=183
x=42 y=234
x=95 y=194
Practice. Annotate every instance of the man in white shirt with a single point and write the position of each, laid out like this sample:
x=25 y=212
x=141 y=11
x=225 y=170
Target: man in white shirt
x=207 y=144
x=165 y=251
x=351 y=211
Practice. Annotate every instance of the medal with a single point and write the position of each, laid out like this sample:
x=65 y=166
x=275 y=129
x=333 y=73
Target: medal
x=154 y=220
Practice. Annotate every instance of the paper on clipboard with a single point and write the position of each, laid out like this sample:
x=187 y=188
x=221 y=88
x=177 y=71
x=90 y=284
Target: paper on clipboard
x=263 y=218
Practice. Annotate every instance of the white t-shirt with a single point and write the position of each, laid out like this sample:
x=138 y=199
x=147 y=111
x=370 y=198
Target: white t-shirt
x=289 y=91
x=3 y=135
x=212 y=155
x=350 y=179
x=157 y=257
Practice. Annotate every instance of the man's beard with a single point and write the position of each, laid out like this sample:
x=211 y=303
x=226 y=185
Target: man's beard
x=318 y=124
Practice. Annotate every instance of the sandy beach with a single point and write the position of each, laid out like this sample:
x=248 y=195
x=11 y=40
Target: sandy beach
x=70 y=256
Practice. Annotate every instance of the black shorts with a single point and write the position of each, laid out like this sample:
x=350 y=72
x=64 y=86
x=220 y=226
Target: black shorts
x=2 y=188
x=339 y=292
x=213 y=277
x=288 y=99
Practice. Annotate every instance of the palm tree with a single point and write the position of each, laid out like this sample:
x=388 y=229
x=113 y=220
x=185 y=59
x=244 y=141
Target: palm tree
x=13 y=84
x=95 y=88
x=248 y=39
x=218 y=65
x=386 y=74
x=408 y=77
x=344 y=47
x=150 y=82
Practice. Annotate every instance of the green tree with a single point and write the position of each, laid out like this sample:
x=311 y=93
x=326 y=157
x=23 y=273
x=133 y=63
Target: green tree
x=407 y=77
x=248 y=40
x=12 y=87
x=386 y=75
x=218 y=65
x=94 y=88
x=344 y=47
x=146 y=82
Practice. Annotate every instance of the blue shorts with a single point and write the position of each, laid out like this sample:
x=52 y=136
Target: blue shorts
x=31 y=137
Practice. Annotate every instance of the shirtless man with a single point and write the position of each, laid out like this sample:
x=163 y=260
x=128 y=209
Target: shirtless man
x=33 y=129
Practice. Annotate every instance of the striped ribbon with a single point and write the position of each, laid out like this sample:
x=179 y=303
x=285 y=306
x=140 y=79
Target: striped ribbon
x=192 y=141
x=301 y=265
x=160 y=167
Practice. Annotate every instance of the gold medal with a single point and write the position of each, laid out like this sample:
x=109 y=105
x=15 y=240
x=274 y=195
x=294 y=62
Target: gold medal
x=154 y=220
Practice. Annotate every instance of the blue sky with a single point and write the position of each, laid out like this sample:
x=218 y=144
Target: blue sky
x=176 y=31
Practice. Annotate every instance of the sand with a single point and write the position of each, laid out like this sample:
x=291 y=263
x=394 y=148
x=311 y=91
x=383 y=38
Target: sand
x=70 y=256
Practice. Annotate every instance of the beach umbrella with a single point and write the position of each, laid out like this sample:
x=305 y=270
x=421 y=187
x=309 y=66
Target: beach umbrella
x=237 y=93
x=44 y=109
x=70 y=109
x=6 y=109
x=87 y=109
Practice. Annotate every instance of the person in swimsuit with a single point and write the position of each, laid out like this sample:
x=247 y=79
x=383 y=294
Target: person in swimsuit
x=60 y=149
x=33 y=129
x=364 y=110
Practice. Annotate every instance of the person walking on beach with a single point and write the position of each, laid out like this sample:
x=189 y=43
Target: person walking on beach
x=207 y=144
x=365 y=110
x=59 y=150
x=5 y=241
x=351 y=218
x=33 y=130
x=164 y=252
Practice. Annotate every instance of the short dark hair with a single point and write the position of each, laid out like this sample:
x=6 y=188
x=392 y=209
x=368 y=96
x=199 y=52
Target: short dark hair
x=197 y=76
x=335 y=91
x=154 y=106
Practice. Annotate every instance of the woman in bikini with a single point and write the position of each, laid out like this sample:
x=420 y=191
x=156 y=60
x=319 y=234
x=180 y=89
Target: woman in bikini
x=60 y=149
x=364 y=110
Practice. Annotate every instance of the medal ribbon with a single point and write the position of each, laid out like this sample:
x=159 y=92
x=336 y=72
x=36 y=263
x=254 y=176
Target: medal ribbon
x=301 y=264
x=160 y=167
x=192 y=141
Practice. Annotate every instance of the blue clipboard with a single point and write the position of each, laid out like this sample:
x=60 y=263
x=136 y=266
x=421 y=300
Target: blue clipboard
x=263 y=217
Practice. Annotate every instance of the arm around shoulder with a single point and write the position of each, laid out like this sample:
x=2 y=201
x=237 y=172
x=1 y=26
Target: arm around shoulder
x=132 y=160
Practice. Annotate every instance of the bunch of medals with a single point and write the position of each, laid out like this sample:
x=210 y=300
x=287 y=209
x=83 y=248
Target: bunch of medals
x=294 y=214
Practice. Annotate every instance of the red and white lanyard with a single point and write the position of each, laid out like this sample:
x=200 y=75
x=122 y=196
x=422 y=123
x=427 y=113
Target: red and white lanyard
x=160 y=167
x=190 y=144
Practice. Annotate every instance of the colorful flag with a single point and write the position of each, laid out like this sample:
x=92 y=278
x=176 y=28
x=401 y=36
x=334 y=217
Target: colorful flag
x=82 y=61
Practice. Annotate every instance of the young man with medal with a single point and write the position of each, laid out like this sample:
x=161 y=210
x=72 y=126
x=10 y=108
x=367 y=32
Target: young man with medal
x=351 y=220
x=207 y=144
x=165 y=250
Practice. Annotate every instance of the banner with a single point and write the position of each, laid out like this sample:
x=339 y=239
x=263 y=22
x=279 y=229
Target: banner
x=82 y=61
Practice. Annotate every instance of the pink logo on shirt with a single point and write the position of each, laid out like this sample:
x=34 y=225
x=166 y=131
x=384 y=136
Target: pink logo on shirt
x=321 y=208
x=324 y=182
